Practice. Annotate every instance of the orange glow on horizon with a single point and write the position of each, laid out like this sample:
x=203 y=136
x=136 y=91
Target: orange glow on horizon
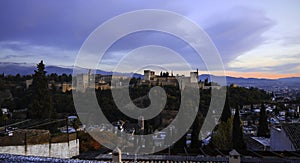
x=241 y=74
x=260 y=75
x=250 y=74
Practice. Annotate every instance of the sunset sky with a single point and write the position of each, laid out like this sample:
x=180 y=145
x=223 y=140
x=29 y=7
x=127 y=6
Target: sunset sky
x=254 y=38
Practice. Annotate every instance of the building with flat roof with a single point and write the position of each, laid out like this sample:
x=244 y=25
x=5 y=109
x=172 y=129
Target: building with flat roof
x=194 y=77
x=82 y=82
x=148 y=75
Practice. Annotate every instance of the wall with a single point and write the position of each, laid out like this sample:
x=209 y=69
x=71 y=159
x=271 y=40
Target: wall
x=18 y=150
x=37 y=150
x=63 y=150
x=59 y=150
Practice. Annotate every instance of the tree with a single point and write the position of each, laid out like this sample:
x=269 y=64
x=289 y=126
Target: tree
x=9 y=104
x=263 y=130
x=41 y=104
x=180 y=144
x=221 y=138
x=226 y=114
x=237 y=132
x=2 y=84
x=196 y=127
x=1 y=117
x=53 y=77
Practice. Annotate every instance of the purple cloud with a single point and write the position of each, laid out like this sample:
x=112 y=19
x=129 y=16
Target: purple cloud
x=285 y=68
x=238 y=31
x=56 y=23
x=58 y=26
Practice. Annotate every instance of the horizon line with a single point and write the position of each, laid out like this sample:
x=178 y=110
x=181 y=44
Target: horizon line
x=235 y=74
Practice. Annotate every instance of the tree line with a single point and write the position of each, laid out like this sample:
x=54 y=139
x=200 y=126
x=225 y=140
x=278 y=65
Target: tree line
x=44 y=103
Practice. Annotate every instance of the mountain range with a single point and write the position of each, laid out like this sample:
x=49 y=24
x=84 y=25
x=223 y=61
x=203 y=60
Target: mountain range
x=263 y=83
x=9 y=68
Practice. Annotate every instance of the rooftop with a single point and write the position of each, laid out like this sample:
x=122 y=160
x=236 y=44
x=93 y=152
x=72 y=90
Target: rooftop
x=293 y=132
x=262 y=140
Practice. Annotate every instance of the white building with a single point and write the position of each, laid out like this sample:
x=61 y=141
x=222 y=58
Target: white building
x=194 y=77
x=28 y=83
x=148 y=74
x=82 y=82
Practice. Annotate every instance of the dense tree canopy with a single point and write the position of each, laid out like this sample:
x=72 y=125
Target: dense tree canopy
x=41 y=105
x=44 y=100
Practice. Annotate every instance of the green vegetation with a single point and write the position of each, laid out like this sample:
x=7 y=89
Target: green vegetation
x=247 y=96
x=237 y=132
x=45 y=100
x=41 y=105
x=223 y=133
x=228 y=133
x=222 y=136
x=263 y=130
x=226 y=114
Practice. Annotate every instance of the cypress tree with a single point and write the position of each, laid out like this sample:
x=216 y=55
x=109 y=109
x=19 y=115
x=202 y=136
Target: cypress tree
x=195 y=132
x=263 y=130
x=41 y=106
x=222 y=139
x=237 y=132
x=226 y=114
x=1 y=117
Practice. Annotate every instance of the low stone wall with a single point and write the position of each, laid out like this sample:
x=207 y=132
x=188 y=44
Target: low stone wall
x=65 y=150
x=8 y=158
x=37 y=150
x=18 y=149
x=59 y=150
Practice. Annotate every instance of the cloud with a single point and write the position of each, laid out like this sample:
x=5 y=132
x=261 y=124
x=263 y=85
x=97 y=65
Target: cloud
x=239 y=30
x=26 y=52
x=66 y=25
x=153 y=57
x=57 y=23
x=8 y=57
x=234 y=32
x=125 y=45
x=283 y=68
x=55 y=31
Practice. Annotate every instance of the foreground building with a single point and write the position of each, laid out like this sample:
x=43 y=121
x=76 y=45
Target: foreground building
x=40 y=143
x=285 y=137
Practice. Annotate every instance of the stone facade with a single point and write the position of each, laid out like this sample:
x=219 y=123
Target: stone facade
x=58 y=150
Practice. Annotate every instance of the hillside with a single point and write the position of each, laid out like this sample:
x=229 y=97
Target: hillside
x=26 y=69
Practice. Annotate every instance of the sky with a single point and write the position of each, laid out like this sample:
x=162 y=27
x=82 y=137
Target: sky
x=254 y=38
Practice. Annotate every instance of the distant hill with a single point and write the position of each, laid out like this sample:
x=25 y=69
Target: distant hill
x=9 y=68
x=27 y=69
x=267 y=84
x=14 y=68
